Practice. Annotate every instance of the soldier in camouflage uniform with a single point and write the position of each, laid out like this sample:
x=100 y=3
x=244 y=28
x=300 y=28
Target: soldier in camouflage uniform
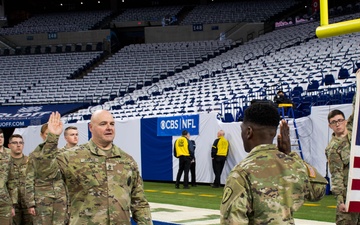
x=71 y=136
x=338 y=156
x=103 y=181
x=2 y=139
x=272 y=182
x=45 y=192
x=17 y=175
x=8 y=190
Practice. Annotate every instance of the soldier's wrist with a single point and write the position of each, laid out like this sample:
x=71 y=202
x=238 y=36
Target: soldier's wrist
x=52 y=137
x=339 y=200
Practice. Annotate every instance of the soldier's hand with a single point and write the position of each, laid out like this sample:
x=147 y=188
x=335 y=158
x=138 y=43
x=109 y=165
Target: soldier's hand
x=358 y=72
x=55 y=126
x=32 y=211
x=283 y=139
x=342 y=207
x=12 y=212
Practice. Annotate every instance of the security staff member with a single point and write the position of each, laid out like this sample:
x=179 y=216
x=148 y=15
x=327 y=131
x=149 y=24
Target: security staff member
x=184 y=150
x=219 y=152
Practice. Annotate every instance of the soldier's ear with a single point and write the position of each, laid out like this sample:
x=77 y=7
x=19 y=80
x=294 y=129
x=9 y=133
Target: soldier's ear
x=249 y=132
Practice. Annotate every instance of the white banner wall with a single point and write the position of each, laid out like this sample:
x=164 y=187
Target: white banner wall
x=313 y=131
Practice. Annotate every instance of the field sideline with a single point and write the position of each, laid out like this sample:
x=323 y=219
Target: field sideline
x=203 y=196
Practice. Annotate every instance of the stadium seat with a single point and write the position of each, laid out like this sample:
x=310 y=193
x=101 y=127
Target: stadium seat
x=297 y=91
x=28 y=50
x=89 y=47
x=343 y=74
x=59 y=48
x=99 y=46
x=18 y=50
x=38 y=49
x=48 y=49
x=6 y=51
x=329 y=79
x=78 y=47
x=313 y=86
x=68 y=48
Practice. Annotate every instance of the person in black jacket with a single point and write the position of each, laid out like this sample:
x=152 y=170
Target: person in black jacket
x=281 y=98
x=193 y=166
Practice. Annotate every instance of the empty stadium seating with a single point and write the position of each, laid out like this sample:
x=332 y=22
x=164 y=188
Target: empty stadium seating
x=145 y=80
x=151 y=14
x=243 y=11
x=57 y=22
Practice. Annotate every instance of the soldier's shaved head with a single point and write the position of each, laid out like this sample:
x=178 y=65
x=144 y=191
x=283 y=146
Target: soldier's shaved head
x=102 y=128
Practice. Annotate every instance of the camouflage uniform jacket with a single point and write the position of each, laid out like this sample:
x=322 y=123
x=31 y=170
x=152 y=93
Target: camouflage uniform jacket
x=102 y=189
x=18 y=175
x=43 y=178
x=7 y=150
x=267 y=187
x=338 y=156
x=8 y=190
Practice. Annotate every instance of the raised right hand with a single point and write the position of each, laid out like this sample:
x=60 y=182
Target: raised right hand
x=283 y=139
x=55 y=126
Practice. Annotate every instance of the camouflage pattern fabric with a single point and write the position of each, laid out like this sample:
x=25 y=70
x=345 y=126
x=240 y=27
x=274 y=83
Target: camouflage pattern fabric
x=8 y=190
x=338 y=156
x=5 y=220
x=22 y=217
x=45 y=188
x=7 y=150
x=267 y=187
x=103 y=188
x=18 y=175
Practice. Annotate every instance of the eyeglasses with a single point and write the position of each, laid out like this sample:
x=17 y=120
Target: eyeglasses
x=17 y=143
x=334 y=122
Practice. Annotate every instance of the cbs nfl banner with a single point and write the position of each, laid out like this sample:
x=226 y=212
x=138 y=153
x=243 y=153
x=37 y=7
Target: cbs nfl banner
x=353 y=189
x=173 y=126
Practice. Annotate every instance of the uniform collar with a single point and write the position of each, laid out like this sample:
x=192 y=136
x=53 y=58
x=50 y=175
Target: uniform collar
x=94 y=149
x=263 y=147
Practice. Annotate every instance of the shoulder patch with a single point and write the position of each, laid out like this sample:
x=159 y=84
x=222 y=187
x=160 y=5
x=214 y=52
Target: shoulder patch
x=311 y=171
x=227 y=194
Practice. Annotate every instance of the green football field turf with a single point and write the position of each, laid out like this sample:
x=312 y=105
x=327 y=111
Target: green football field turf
x=204 y=196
